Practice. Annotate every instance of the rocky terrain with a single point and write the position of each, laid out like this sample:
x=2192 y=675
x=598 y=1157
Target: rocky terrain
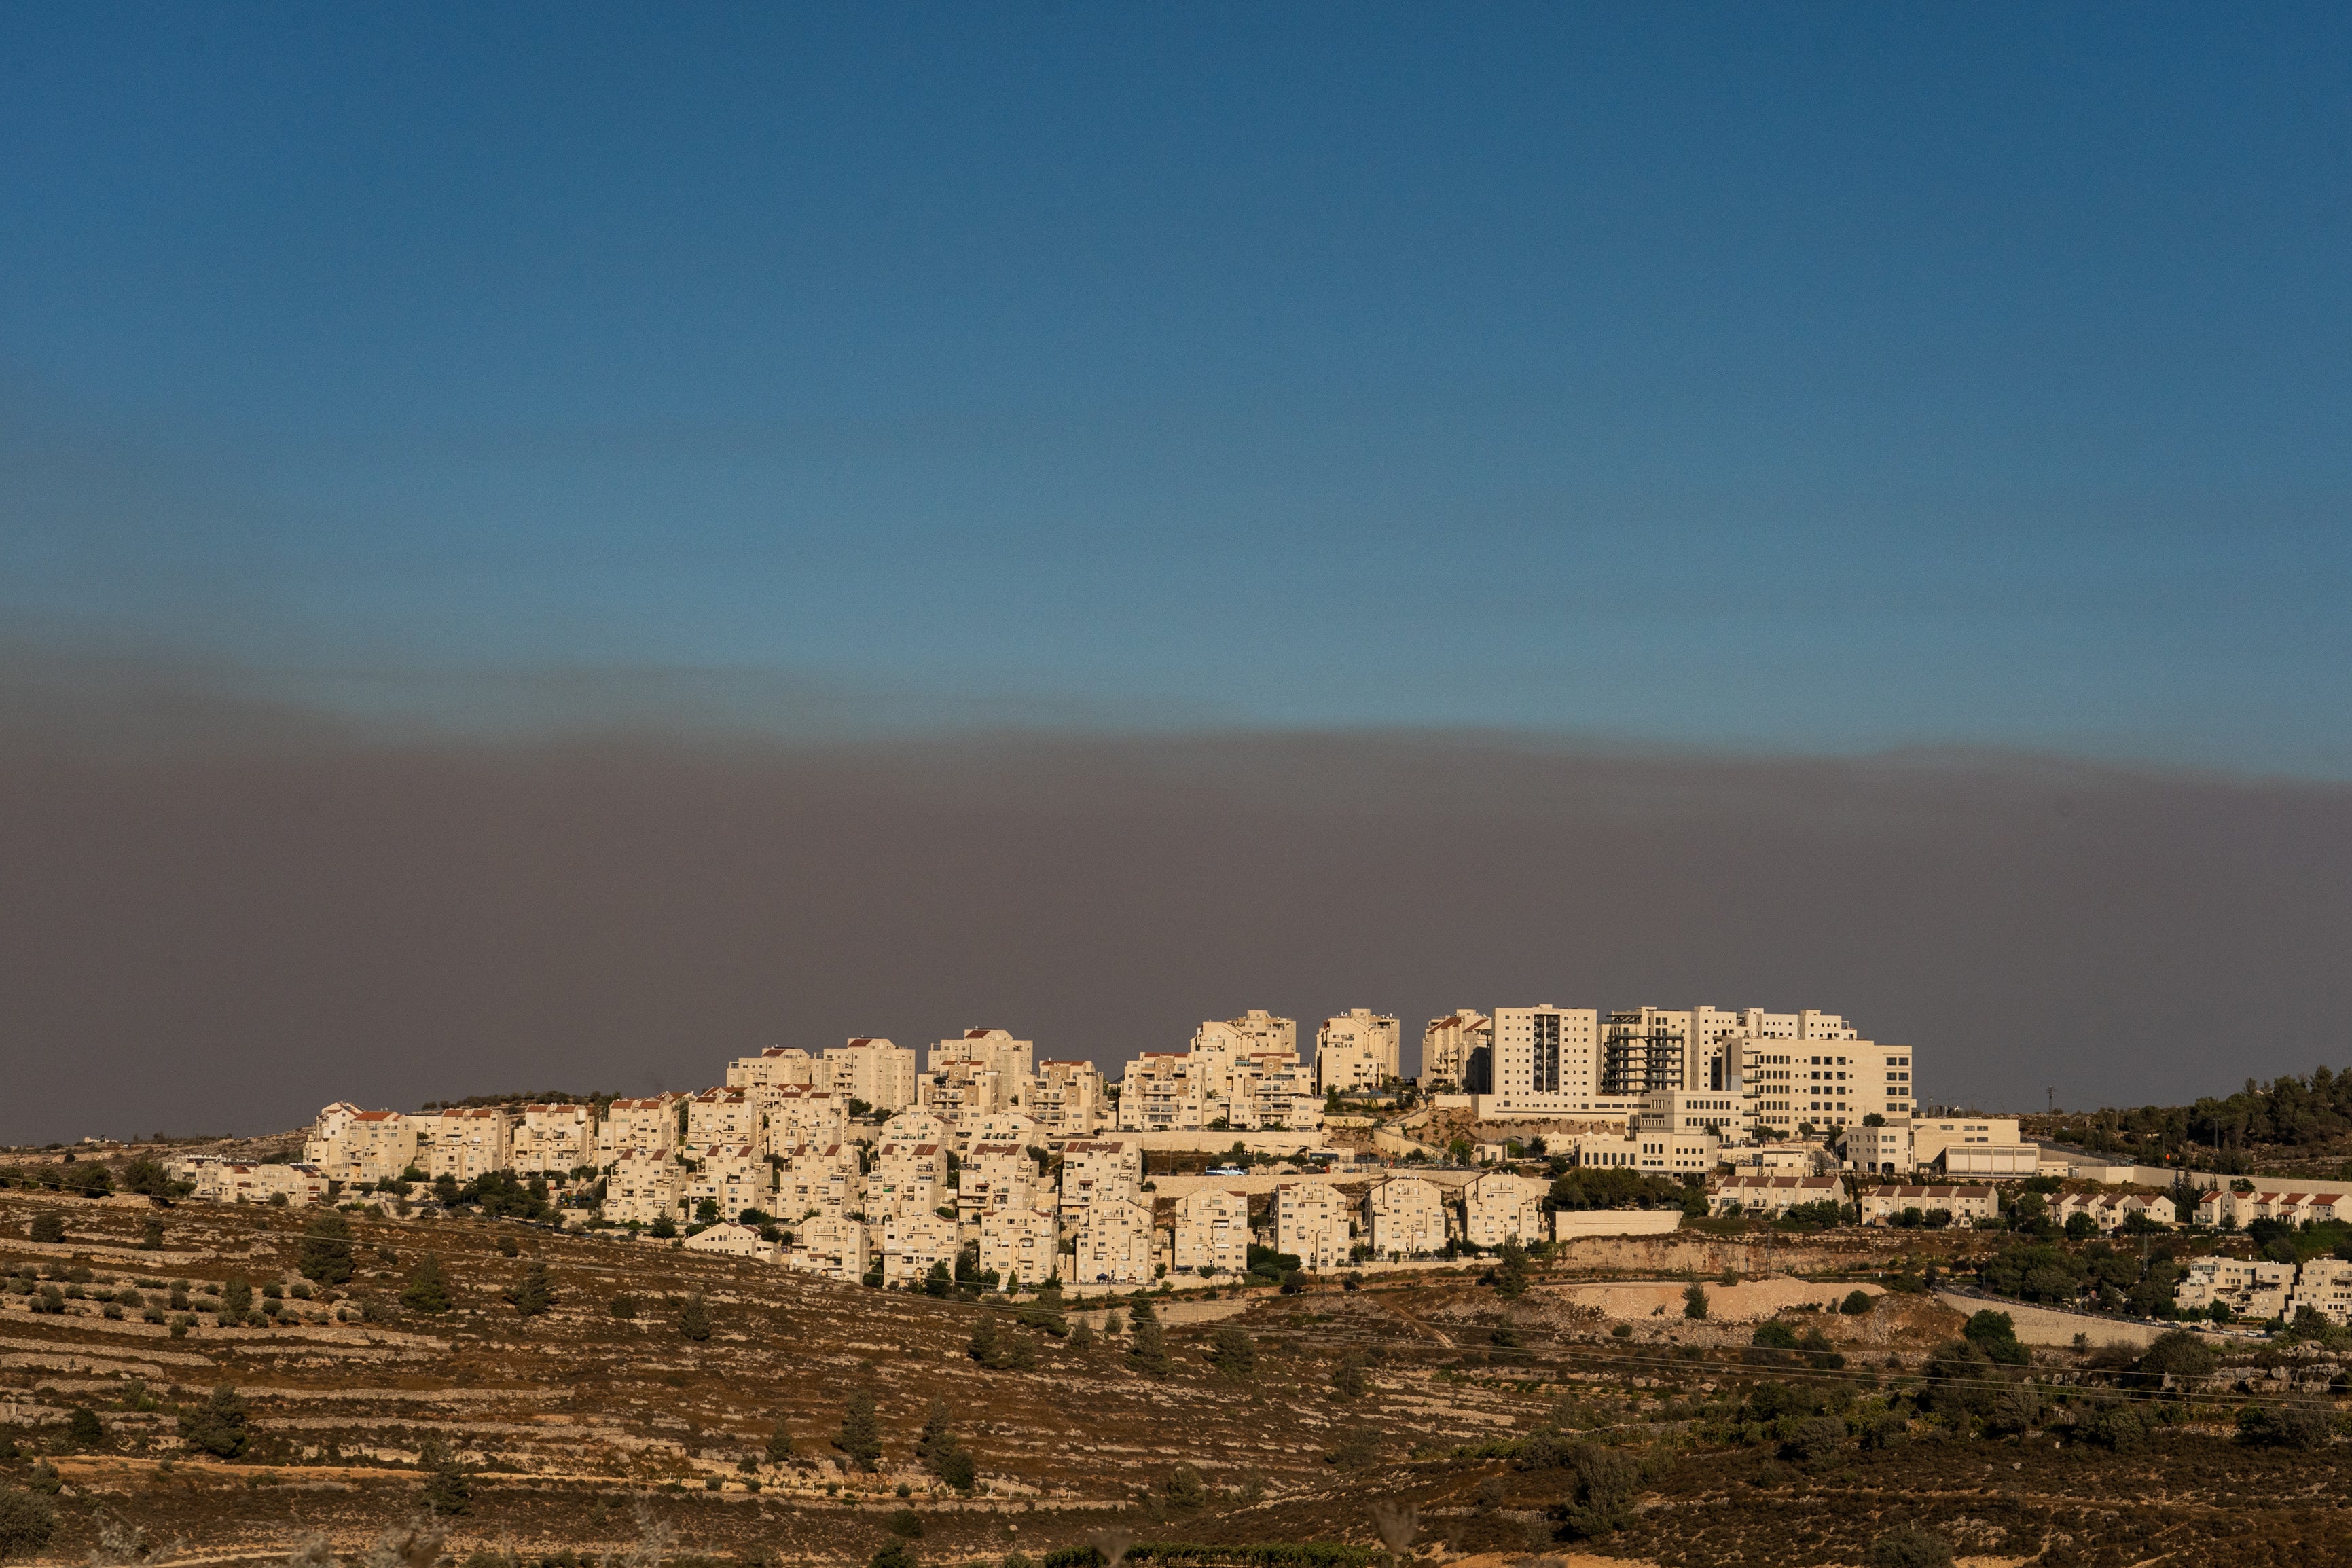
x=718 y=1420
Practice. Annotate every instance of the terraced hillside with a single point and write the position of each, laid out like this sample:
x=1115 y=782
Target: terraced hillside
x=705 y=1425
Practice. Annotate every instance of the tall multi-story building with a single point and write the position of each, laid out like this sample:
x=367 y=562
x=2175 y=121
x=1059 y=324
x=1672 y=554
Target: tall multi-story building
x=734 y=1177
x=649 y=1126
x=466 y=1144
x=1449 y=1043
x=1113 y=1244
x=874 y=1071
x=1405 y=1217
x=1313 y=1220
x=1547 y=1061
x=914 y=1240
x=1213 y=1232
x=994 y=1176
x=1272 y=1091
x=906 y=1178
x=722 y=1116
x=1097 y=1171
x=1162 y=1092
x=1499 y=1207
x=1070 y=1101
x=1356 y=1050
x=643 y=1186
x=550 y=1140
x=352 y=1146
x=1023 y=1246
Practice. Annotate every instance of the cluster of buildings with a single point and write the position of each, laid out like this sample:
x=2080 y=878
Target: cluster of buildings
x=2261 y=1290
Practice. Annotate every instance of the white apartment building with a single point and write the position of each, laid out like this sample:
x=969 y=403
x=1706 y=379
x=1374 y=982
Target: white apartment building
x=643 y=1186
x=996 y=1176
x=979 y=1072
x=831 y=1246
x=872 y=1070
x=732 y=1241
x=1315 y=1222
x=1547 y=1062
x=1966 y=1205
x=735 y=1176
x=1213 y=1232
x=1499 y=1207
x=1070 y=1099
x=1097 y=1170
x=553 y=1140
x=1356 y=1050
x=722 y=1116
x=912 y=1241
x=1405 y=1217
x=906 y=1178
x=820 y=1179
x=466 y=1144
x=778 y=1068
x=649 y=1126
x=1022 y=1245
x=1113 y=1244
x=1162 y=1092
x=1449 y=1042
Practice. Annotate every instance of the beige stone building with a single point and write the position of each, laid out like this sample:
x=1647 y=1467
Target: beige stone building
x=466 y=1144
x=553 y=1140
x=735 y=1176
x=906 y=1178
x=1356 y=1050
x=733 y=1242
x=1099 y=1168
x=1071 y=1100
x=1213 y=1232
x=791 y=1116
x=914 y=1239
x=874 y=1071
x=721 y=1115
x=2250 y=1288
x=1499 y=1207
x=2325 y=1285
x=1966 y=1205
x=643 y=1186
x=649 y=1126
x=1406 y=1217
x=821 y=1180
x=778 y=1068
x=1314 y=1222
x=1114 y=1245
x=1022 y=1245
x=354 y=1146
x=832 y=1247
x=1448 y=1044
x=237 y=1181
x=996 y=1176
x=1163 y=1092
x=1771 y=1195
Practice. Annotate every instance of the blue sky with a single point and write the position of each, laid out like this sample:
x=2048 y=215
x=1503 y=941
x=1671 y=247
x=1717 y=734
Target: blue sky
x=1810 y=379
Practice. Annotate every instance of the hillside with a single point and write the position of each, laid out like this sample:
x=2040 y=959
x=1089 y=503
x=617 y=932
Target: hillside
x=577 y=1434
